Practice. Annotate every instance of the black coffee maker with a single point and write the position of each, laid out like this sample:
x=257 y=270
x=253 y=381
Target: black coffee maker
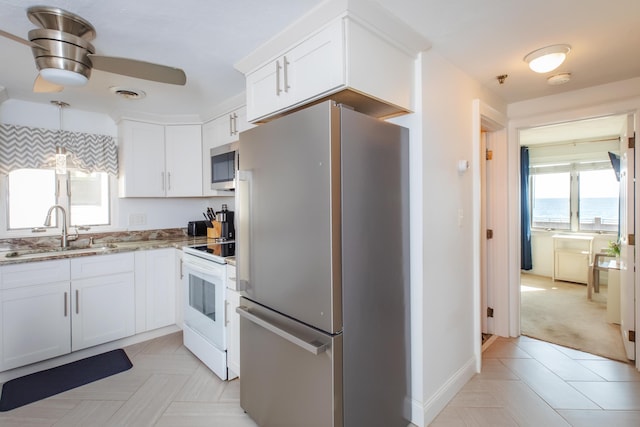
x=225 y=218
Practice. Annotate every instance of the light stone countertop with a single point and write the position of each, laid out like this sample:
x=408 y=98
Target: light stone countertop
x=17 y=251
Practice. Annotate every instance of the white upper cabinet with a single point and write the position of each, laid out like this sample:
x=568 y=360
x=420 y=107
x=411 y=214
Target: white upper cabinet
x=160 y=161
x=313 y=67
x=369 y=65
x=225 y=129
x=141 y=159
x=183 y=148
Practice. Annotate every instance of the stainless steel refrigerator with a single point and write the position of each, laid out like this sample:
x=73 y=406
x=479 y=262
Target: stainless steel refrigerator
x=323 y=261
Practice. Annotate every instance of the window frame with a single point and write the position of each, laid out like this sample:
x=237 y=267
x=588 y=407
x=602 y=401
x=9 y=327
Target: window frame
x=574 y=169
x=54 y=231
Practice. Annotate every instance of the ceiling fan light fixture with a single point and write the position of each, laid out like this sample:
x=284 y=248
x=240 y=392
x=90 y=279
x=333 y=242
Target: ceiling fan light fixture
x=63 y=77
x=547 y=58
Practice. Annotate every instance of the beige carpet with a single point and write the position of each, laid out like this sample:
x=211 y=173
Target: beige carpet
x=559 y=312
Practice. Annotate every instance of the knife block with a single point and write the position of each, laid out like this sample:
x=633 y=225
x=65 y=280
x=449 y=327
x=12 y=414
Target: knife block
x=215 y=231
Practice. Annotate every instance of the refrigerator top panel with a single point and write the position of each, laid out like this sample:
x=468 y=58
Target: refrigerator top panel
x=289 y=216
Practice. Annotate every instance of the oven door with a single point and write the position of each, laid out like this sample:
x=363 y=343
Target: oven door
x=204 y=300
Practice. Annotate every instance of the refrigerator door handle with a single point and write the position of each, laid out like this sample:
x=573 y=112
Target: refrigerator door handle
x=313 y=348
x=243 y=228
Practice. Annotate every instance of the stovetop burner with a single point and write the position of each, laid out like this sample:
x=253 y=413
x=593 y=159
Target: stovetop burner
x=215 y=251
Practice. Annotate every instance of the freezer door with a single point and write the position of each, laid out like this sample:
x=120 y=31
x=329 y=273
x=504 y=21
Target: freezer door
x=291 y=373
x=289 y=216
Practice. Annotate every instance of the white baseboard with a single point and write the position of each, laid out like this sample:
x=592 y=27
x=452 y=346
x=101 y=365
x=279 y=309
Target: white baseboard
x=427 y=412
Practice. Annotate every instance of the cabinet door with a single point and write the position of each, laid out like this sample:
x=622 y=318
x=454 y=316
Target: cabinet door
x=142 y=169
x=242 y=123
x=309 y=70
x=264 y=93
x=183 y=148
x=316 y=66
x=225 y=129
x=161 y=282
x=102 y=309
x=34 y=324
x=233 y=334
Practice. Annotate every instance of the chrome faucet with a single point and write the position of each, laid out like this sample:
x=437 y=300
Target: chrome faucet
x=47 y=223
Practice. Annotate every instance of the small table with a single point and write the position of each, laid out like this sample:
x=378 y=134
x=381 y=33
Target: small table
x=601 y=262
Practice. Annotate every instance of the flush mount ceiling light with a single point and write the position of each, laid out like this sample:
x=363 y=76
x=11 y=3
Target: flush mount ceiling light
x=548 y=58
x=559 y=79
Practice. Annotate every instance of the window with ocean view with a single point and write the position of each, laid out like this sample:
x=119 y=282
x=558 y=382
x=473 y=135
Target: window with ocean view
x=551 y=204
x=580 y=200
x=598 y=207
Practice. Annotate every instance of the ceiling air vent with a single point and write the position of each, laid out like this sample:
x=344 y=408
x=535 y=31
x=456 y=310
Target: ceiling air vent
x=127 y=93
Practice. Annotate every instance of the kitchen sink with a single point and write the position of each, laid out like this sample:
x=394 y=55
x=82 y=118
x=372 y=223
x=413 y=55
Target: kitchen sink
x=45 y=252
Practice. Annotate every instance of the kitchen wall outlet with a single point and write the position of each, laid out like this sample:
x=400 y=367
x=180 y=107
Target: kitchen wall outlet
x=137 y=219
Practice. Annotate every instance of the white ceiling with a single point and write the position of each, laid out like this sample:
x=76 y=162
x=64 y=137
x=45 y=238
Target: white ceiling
x=206 y=37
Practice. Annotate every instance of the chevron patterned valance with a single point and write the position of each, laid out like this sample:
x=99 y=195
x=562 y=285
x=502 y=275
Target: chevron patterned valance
x=23 y=147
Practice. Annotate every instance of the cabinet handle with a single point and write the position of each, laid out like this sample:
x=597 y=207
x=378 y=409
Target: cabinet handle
x=66 y=304
x=232 y=279
x=230 y=124
x=77 y=301
x=169 y=181
x=278 y=90
x=286 y=74
x=235 y=124
x=181 y=273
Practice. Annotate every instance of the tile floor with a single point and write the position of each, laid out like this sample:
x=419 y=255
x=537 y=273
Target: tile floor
x=167 y=386
x=524 y=382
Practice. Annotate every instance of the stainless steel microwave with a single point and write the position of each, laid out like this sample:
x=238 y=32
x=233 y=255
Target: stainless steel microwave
x=224 y=164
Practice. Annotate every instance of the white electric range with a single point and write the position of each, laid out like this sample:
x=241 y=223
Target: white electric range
x=205 y=319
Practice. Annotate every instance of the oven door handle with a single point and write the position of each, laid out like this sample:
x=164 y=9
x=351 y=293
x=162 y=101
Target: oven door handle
x=313 y=348
x=202 y=271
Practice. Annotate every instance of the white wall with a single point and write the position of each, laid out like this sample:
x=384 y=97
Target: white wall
x=159 y=213
x=449 y=328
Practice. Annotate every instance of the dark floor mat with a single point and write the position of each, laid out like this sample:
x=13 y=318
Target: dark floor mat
x=33 y=387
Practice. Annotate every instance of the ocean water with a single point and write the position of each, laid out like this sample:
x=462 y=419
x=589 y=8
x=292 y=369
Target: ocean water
x=557 y=210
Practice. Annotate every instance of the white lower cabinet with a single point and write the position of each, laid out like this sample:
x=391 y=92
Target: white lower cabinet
x=103 y=299
x=156 y=281
x=102 y=310
x=34 y=312
x=34 y=325
x=51 y=308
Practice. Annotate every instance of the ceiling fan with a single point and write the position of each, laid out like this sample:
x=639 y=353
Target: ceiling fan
x=65 y=57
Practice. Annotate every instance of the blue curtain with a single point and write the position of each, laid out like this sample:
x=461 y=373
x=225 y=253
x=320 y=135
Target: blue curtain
x=525 y=220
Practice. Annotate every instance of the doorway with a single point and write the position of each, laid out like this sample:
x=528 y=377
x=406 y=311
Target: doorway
x=576 y=210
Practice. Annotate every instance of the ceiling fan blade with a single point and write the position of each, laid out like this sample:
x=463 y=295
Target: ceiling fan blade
x=20 y=40
x=139 y=69
x=43 y=86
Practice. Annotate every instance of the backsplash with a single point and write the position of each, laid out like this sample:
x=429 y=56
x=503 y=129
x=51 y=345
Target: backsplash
x=84 y=239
